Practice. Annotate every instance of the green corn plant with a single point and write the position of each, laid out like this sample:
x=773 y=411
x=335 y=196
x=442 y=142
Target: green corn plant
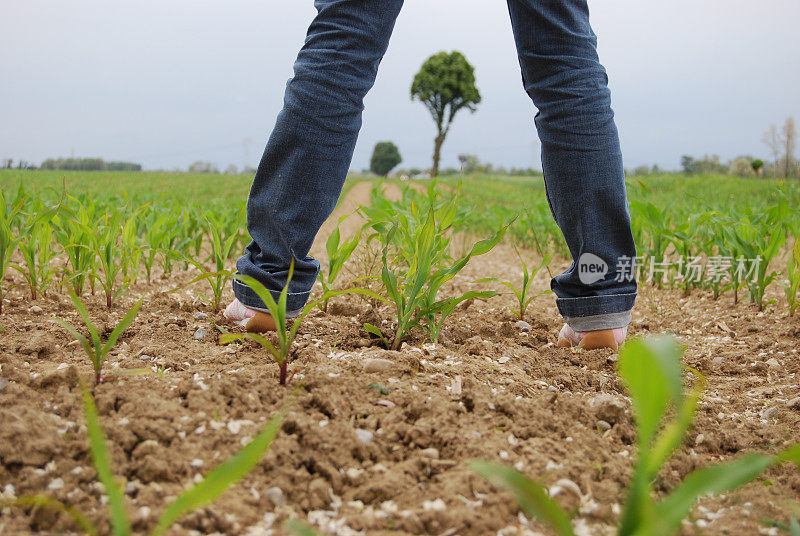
x=8 y=241
x=73 y=233
x=221 y=249
x=792 y=283
x=522 y=293
x=277 y=310
x=338 y=254
x=36 y=248
x=37 y=253
x=683 y=237
x=158 y=226
x=413 y=284
x=651 y=371
x=108 y=248
x=132 y=250
x=198 y=496
x=759 y=239
x=654 y=224
x=95 y=350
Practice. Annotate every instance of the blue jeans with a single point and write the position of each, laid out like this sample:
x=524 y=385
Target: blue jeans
x=308 y=155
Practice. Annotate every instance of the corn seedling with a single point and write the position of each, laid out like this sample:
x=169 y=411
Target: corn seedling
x=37 y=253
x=8 y=242
x=201 y=494
x=684 y=236
x=792 y=283
x=108 y=247
x=73 y=234
x=759 y=242
x=522 y=293
x=413 y=290
x=220 y=252
x=277 y=310
x=655 y=224
x=651 y=372
x=338 y=254
x=132 y=250
x=95 y=350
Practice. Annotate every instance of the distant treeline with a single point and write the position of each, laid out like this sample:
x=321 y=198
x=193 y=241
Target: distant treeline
x=89 y=164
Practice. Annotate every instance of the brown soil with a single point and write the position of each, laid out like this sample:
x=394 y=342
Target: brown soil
x=522 y=401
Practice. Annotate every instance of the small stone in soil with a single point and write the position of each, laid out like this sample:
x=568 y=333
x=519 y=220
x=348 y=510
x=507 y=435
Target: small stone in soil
x=200 y=334
x=430 y=453
x=275 y=495
x=773 y=363
x=699 y=440
x=608 y=407
x=436 y=505
x=144 y=357
x=200 y=316
x=377 y=365
x=523 y=326
x=36 y=310
x=3 y=384
x=792 y=404
x=603 y=426
x=365 y=436
x=503 y=360
x=770 y=411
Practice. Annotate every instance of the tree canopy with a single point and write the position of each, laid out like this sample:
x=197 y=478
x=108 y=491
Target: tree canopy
x=445 y=84
x=385 y=156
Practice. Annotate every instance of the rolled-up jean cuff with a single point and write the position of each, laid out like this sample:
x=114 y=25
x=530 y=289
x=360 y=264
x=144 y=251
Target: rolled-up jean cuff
x=596 y=322
x=295 y=301
x=604 y=312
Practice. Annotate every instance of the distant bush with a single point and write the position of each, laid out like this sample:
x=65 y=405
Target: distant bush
x=89 y=164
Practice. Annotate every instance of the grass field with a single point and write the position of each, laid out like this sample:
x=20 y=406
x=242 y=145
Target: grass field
x=416 y=361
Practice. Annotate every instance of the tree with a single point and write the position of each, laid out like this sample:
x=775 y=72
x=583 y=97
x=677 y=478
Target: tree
x=385 y=156
x=757 y=164
x=772 y=140
x=203 y=167
x=788 y=139
x=445 y=84
x=688 y=164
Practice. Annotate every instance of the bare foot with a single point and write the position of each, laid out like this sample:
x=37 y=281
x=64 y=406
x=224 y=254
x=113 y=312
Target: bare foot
x=250 y=319
x=591 y=340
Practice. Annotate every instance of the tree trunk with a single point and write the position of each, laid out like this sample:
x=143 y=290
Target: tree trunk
x=437 y=149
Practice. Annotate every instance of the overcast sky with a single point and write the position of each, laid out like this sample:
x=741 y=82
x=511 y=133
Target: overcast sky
x=168 y=82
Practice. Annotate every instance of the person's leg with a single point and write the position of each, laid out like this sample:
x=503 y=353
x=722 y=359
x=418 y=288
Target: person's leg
x=582 y=162
x=308 y=155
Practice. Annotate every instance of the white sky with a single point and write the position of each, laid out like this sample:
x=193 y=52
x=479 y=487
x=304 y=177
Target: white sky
x=168 y=82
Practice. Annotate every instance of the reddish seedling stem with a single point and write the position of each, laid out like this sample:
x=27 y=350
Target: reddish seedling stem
x=284 y=369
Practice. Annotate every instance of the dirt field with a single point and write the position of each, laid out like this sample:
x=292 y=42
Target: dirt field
x=386 y=452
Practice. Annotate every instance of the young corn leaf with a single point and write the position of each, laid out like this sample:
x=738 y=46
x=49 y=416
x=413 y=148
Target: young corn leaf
x=531 y=496
x=375 y=331
x=650 y=369
x=121 y=327
x=719 y=478
x=794 y=527
x=221 y=478
x=43 y=501
x=227 y=338
x=102 y=464
x=298 y=528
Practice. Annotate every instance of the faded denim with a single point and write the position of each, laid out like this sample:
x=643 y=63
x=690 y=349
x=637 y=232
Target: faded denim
x=308 y=155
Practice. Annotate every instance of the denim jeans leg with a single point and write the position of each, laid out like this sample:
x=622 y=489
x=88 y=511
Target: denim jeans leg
x=581 y=159
x=307 y=157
